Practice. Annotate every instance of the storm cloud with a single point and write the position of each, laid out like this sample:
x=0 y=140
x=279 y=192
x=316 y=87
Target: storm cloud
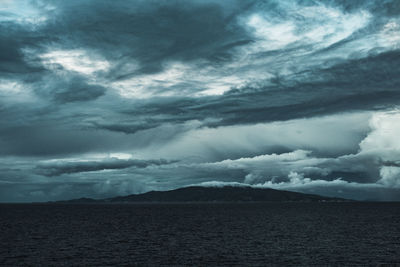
x=58 y=168
x=101 y=98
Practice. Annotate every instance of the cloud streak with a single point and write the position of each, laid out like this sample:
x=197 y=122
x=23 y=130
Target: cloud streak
x=68 y=167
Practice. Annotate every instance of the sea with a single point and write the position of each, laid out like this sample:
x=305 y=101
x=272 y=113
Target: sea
x=201 y=234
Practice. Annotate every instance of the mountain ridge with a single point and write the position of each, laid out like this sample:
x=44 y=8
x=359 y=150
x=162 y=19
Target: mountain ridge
x=212 y=194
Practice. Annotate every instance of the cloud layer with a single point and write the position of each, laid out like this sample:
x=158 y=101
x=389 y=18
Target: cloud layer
x=285 y=94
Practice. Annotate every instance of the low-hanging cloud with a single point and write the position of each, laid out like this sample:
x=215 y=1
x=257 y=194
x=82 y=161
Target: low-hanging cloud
x=68 y=167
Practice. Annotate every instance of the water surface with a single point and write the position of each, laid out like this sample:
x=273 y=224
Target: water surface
x=255 y=234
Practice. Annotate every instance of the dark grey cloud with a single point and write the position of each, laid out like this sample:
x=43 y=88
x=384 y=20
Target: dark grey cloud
x=13 y=38
x=70 y=89
x=60 y=167
x=383 y=8
x=363 y=84
x=149 y=32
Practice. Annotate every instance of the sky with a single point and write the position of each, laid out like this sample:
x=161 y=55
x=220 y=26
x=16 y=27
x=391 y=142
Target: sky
x=105 y=98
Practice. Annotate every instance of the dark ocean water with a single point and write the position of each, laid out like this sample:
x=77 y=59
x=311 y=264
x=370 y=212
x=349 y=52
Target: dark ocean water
x=247 y=234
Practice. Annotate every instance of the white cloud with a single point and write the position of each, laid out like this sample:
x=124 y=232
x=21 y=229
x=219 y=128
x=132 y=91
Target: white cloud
x=390 y=35
x=74 y=60
x=178 y=79
x=288 y=41
x=15 y=91
x=274 y=35
x=390 y=176
x=318 y=25
x=297 y=180
x=385 y=131
x=220 y=184
x=24 y=12
x=148 y=85
x=263 y=160
x=10 y=87
x=295 y=183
